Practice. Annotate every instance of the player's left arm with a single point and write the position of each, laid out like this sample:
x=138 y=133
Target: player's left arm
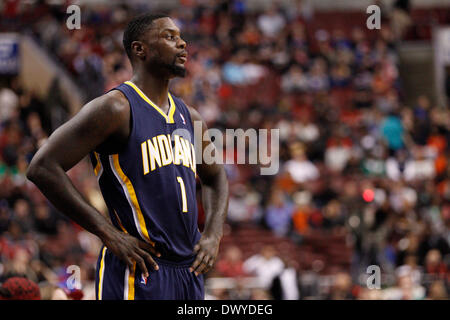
x=214 y=186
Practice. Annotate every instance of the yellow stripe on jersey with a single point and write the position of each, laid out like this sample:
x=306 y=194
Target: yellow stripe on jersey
x=100 y=274
x=172 y=108
x=169 y=118
x=128 y=285
x=120 y=222
x=131 y=283
x=131 y=196
x=98 y=166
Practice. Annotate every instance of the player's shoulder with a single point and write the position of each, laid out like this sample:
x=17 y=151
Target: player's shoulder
x=193 y=113
x=116 y=100
x=113 y=102
x=195 y=116
x=179 y=101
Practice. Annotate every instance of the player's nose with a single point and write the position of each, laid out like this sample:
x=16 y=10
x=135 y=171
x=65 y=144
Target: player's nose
x=181 y=44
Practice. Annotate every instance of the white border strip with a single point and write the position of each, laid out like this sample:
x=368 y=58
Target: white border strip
x=125 y=190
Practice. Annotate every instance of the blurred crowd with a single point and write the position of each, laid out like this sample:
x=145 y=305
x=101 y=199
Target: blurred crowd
x=354 y=159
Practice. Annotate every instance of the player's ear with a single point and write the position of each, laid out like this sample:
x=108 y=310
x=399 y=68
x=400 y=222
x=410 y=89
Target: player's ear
x=137 y=47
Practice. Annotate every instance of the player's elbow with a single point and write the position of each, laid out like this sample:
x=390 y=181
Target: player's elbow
x=32 y=172
x=35 y=170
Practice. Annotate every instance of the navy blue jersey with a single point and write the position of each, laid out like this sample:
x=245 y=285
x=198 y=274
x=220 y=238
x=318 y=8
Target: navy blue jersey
x=150 y=187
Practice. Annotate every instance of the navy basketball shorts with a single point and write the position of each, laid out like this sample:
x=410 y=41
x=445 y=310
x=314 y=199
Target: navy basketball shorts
x=114 y=280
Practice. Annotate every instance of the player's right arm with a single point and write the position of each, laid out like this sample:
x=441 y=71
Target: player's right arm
x=102 y=124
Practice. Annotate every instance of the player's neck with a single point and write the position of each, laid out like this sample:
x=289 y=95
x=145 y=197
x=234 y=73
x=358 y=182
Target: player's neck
x=155 y=88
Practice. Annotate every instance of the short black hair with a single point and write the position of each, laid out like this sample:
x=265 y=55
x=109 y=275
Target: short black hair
x=136 y=27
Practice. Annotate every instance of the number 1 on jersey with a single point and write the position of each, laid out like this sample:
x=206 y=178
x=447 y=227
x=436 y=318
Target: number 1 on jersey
x=183 y=193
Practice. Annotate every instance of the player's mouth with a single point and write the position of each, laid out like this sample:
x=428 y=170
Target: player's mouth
x=182 y=57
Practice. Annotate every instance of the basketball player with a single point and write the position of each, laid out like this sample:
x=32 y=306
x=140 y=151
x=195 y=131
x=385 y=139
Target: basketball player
x=147 y=172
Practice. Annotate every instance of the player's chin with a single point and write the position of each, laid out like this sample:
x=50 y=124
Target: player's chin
x=179 y=70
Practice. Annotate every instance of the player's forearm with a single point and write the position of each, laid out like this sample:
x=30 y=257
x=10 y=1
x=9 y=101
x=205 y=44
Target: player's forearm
x=55 y=184
x=215 y=203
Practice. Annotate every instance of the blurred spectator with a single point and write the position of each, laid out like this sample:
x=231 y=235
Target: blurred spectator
x=422 y=124
x=218 y=294
x=260 y=294
x=285 y=286
x=369 y=294
x=406 y=288
x=392 y=131
x=341 y=288
x=301 y=212
x=338 y=153
x=401 y=19
x=271 y=22
x=240 y=292
x=9 y=102
x=279 y=213
x=299 y=167
x=50 y=292
x=434 y=265
x=265 y=265
x=333 y=215
x=243 y=205
x=294 y=80
x=231 y=265
x=410 y=261
x=437 y=291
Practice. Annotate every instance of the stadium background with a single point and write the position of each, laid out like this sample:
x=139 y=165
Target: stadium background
x=364 y=128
